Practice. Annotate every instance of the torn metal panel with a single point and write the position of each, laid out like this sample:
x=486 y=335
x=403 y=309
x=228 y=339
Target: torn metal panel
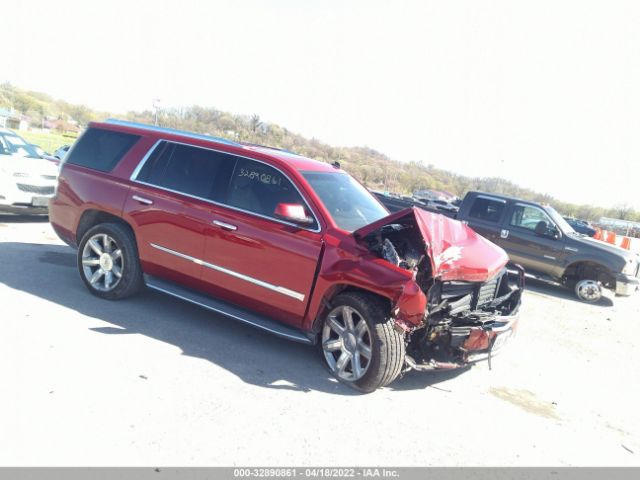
x=462 y=298
x=454 y=250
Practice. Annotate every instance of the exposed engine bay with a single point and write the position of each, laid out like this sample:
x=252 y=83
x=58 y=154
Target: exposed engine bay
x=463 y=319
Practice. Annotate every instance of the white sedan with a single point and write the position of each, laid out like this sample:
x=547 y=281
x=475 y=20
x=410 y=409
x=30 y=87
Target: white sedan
x=27 y=181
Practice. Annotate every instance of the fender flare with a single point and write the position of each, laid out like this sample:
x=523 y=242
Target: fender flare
x=596 y=263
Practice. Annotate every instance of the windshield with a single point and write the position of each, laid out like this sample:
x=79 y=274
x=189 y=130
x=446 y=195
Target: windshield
x=14 y=145
x=561 y=222
x=350 y=204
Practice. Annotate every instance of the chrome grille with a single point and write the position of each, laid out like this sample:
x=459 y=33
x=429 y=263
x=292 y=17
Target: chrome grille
x=467 y=296
x=487 y=291
x=35 y=189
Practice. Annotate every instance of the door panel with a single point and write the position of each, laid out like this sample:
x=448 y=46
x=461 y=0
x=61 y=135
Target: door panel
x=165 y=204
x=254 y=259
x=162 y=227
x=262 y=264
x=490 y=231
x=534 y=252
x=485 y=216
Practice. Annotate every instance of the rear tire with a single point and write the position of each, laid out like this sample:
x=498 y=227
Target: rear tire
x=358 y=343
x=108 y=261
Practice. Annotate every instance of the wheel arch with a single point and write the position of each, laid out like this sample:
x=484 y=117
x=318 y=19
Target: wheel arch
x=117 y=238
x=335 y=290
x=587 y=268
x=92 y=217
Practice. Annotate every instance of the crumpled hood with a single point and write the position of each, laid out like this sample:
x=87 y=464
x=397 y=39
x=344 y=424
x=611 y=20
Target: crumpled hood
x=455 y=250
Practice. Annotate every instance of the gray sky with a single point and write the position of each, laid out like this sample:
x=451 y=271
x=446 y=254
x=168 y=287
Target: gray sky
x=544 y=93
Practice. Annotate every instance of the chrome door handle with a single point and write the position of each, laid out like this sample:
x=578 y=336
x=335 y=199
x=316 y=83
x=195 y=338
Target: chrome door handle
x=146 y=201
x=504 y=233
x=225 y=226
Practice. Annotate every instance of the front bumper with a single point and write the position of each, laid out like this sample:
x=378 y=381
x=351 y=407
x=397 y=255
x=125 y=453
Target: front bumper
x=23 y=209
x=26 y=196
x=481 y=344
x=626 y=285
x=497 y=338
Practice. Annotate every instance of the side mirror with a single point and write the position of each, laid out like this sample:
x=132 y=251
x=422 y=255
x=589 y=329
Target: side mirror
x=292 y=212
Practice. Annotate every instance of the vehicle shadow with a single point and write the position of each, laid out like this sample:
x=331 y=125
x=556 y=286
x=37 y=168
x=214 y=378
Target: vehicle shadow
x=17 y=218
x=256 y=357
x=558 y=291
x=420 y=380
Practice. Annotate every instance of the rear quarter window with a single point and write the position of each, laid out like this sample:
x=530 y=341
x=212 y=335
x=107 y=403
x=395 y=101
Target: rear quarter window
x=487 y=209
x=101 y=149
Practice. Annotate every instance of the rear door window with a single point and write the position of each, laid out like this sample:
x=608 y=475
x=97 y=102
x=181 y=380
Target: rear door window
x=487 y=209
x=101 y=149
x=195 y=171
x=257 y=187
x=154 y=167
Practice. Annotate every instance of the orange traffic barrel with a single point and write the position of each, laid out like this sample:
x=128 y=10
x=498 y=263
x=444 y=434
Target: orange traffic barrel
x=626 y=243
x=611 y=238
x=598 y=235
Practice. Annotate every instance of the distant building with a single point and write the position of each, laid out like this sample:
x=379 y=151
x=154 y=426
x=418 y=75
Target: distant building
x=4 y=115
x=61 y=126
x=13 y=120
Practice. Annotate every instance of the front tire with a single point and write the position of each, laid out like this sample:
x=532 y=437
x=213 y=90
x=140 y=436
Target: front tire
x=108 y=261
x=358 y=343
x=588 y=290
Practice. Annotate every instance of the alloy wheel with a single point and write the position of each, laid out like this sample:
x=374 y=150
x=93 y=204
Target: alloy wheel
x=346 y=343
x=102 y=262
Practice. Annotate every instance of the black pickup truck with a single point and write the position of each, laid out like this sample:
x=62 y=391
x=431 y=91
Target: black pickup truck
x=539 y=239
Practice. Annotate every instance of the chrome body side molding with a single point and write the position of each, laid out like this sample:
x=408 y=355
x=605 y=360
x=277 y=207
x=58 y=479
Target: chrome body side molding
x=282 y=290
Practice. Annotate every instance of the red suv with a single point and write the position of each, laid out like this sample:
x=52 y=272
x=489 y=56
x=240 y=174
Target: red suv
x=291 y=245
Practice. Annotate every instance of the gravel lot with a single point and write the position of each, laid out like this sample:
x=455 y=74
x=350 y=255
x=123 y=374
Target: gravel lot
x=154 y=381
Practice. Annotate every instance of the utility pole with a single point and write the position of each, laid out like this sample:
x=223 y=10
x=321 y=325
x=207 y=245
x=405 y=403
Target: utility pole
x=156 y=106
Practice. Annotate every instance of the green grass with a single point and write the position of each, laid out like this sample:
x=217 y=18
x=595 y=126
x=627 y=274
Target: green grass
x=50 y=142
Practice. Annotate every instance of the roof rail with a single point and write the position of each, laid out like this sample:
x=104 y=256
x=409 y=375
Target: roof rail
x=283 y=150
x=172 y=131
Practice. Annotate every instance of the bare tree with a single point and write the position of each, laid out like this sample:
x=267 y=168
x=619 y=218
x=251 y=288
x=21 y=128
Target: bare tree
x=623 y=210
x=255 y=124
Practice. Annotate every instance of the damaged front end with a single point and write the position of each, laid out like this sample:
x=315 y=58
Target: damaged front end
x=462 y=304
x=466 y=321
